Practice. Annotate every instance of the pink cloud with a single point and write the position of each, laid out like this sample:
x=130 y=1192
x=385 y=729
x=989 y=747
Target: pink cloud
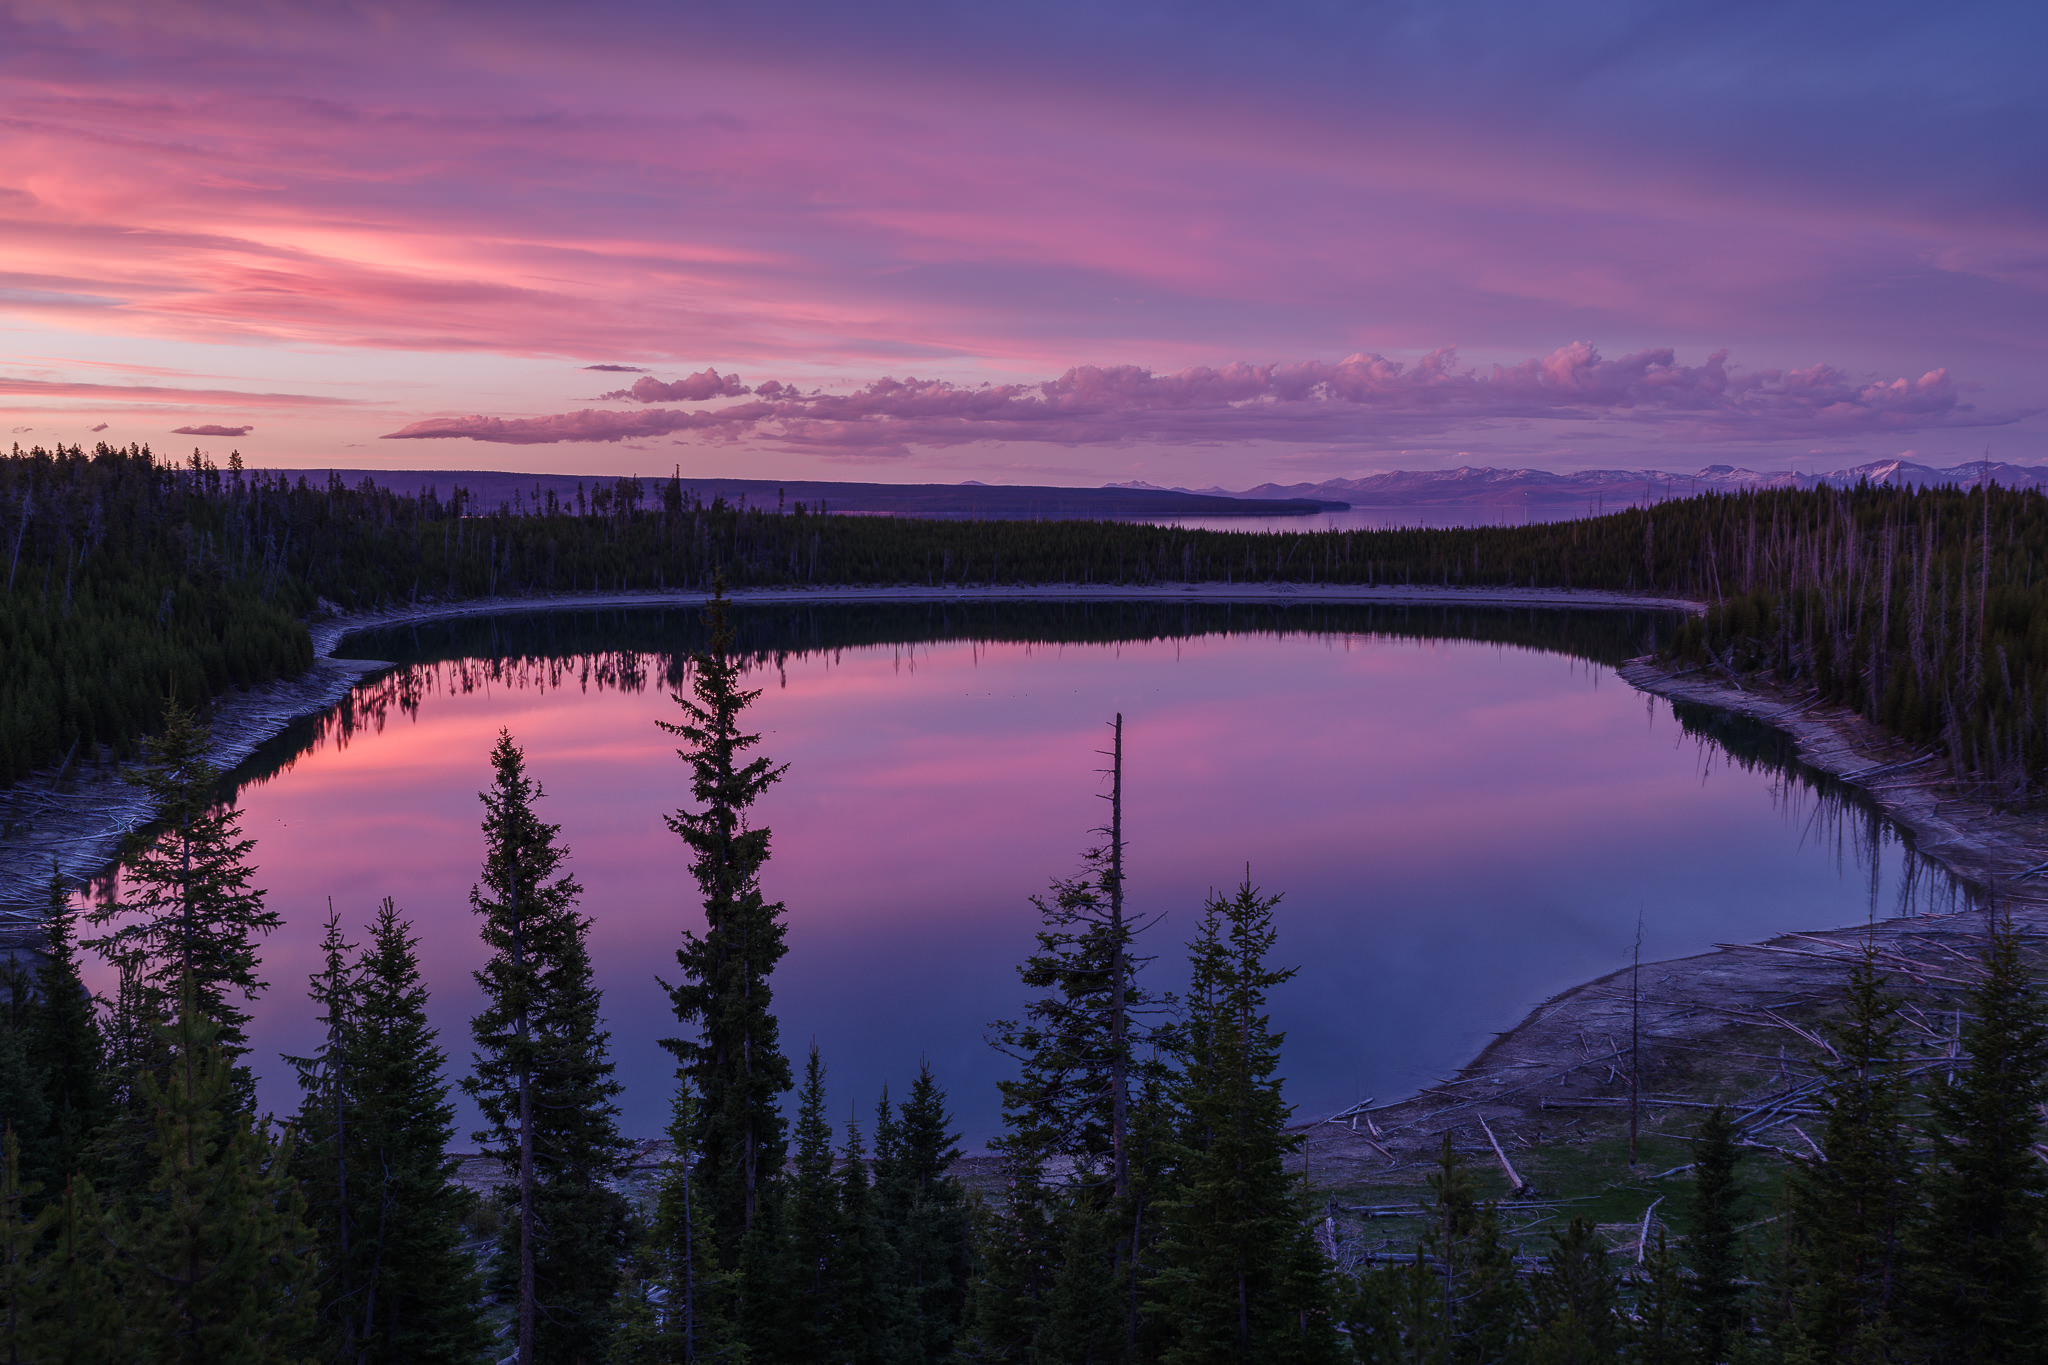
x=703 y=385
x=1359 y=399
x=146 y=393
x=211 y=429
x=587 y=425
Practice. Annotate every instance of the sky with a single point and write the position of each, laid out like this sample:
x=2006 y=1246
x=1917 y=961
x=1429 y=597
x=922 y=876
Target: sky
x=1197 y=244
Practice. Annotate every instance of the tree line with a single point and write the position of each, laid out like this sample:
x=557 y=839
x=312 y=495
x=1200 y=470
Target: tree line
x=1143 y=1211
x=129 y=578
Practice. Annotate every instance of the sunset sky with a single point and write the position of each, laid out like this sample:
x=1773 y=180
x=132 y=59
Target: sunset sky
x=1195 y=243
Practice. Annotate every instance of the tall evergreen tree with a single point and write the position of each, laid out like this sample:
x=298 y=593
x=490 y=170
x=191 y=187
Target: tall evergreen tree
x=1982 y=1285
x=189 y=911
x=84 y=1316
x=735 y=1062
x=215 y=1261
x=698 y=1319
x=1459 y=1301
x=1664 y=1329
x=1017 y=1250
x=1076 y=1037
x=1072 y=1127
x=1084 y=1321
x=64 y=1044
x=321 y=1155
x=1573 y=1302
x=1232 y=1226
x=21 y=1300
x=865 y=1268
x=1853 y=1208
x=542 y=1076
x=24 y=1104
x=1712 y=1248
x=811 y=1218
x=373 y=1155
x=929 y=1221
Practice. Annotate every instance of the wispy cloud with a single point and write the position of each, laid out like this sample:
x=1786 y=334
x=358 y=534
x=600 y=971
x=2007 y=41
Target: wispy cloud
x=153 y=394
x=1363 y=398
x=618 y=369
x=211 y=429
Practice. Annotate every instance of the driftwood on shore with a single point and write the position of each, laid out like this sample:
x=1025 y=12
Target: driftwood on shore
x=1712 y=1015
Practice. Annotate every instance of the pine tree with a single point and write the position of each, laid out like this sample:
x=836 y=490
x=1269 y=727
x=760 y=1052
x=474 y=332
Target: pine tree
x=543 y=1077
x=1712 y=1248
x=215 y=1265
x=321 y=1155
x=64 y=1046
x=1071 y=1107
x=24 y=1105
x=1458 y=1302
x=374 y=1133
x=1664 y=1327
x=698 y=1319
x=22 y=1303
x=1233 y=1223
x=1016 y=1251
x=1069 y=1055
x=736 y=1061
x=811 y=1215
x=1853 y=1209
x=930 y=1225
x=1084 y=1320
x=1572 y=1301
x=190 y=912
x=865 y=1268
x=84 y=1317
x=1982 y=1286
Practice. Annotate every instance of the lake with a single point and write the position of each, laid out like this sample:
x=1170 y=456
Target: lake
x=1466 y=811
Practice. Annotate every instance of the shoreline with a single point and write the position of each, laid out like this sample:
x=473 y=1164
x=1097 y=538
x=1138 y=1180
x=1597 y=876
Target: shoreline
x=79 y=819
x=1564 y=1056
x=82 y=824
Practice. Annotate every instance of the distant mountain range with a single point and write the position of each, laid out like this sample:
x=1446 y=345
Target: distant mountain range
x=1596 y=488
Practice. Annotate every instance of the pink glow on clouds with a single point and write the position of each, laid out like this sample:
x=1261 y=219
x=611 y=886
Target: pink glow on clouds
x=831 y=201
x=1364 y=397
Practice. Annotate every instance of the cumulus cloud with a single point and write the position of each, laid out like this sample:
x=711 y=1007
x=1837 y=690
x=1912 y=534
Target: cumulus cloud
x=211 y=429
x=618 y=369
x=1363 y=398
x=699 y=387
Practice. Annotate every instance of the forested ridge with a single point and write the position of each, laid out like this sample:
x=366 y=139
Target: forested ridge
x=129 y=579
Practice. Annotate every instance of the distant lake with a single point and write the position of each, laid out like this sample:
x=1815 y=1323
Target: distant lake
x=1365 y=517
x=1466 y=811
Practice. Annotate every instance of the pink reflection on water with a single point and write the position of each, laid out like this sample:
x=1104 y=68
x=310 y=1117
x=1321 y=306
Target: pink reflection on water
x=1460 y=830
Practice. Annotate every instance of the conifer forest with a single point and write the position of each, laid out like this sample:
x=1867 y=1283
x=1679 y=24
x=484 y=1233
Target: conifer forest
x=1148 y=1199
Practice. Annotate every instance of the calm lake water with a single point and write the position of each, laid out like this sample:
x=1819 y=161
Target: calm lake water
x=1466 y=812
